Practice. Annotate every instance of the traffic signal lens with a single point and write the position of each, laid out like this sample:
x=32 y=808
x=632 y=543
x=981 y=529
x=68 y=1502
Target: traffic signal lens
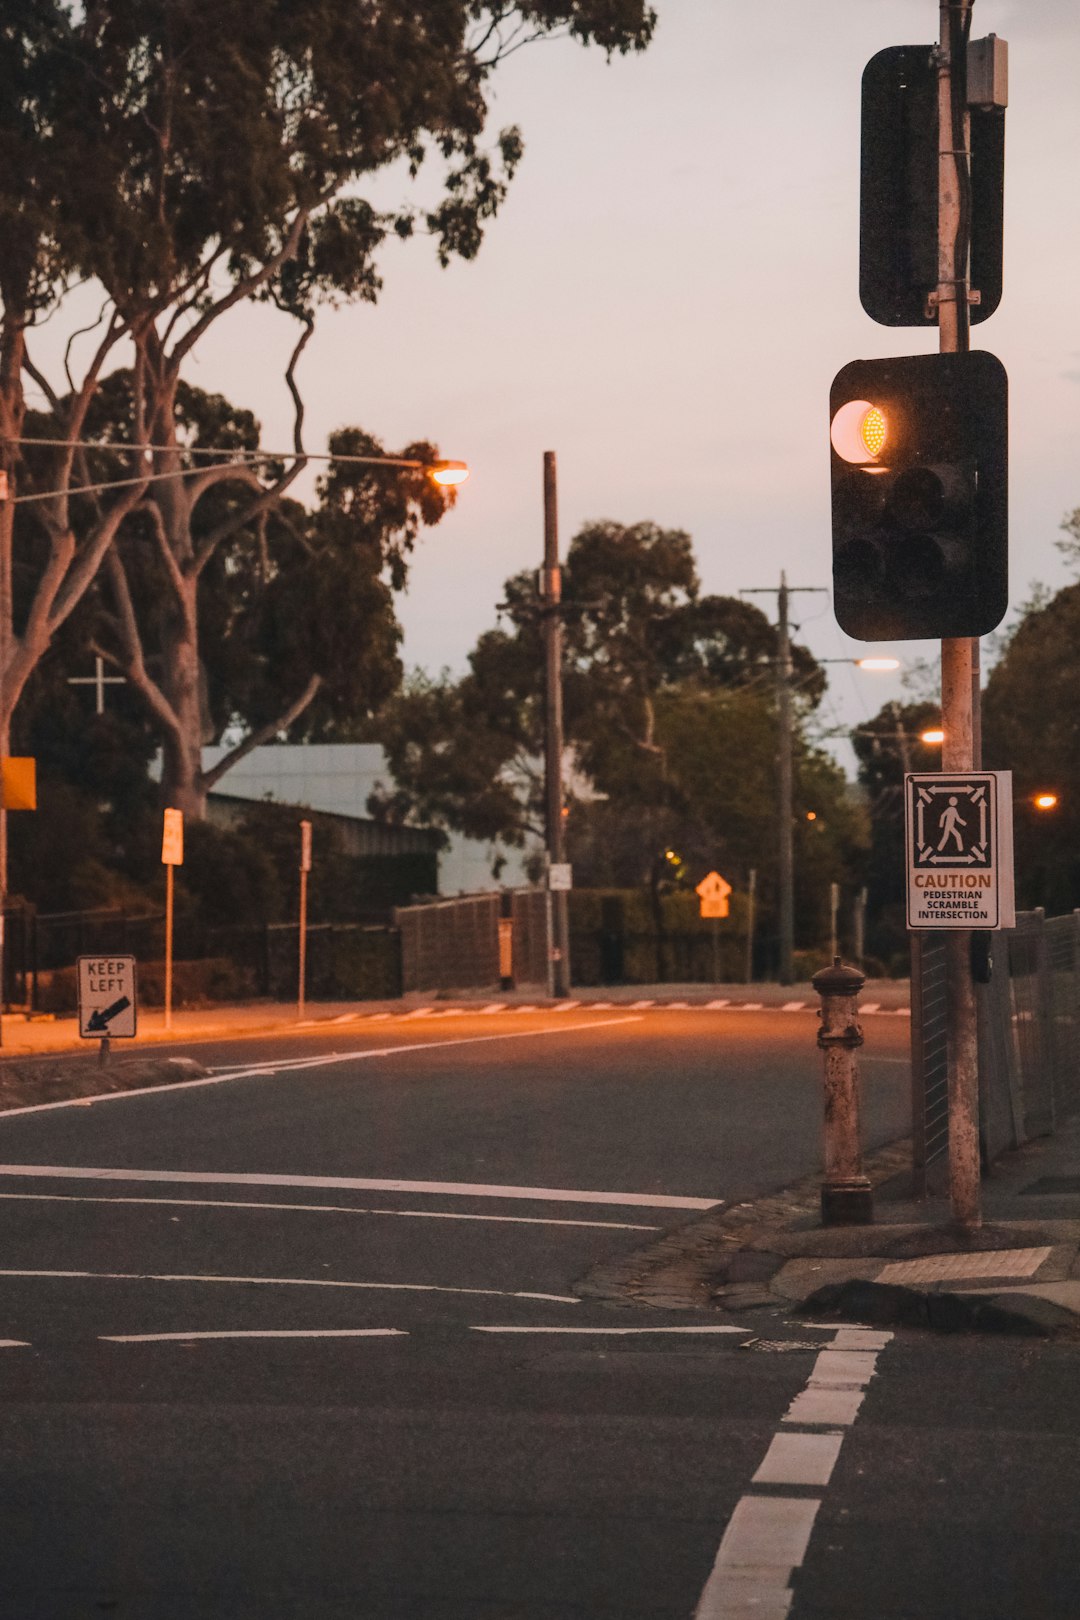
x=859 y=431
x=874 y=430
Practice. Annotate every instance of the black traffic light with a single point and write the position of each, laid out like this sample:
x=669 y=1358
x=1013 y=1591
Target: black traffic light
x=919 y=496
x=898 y=237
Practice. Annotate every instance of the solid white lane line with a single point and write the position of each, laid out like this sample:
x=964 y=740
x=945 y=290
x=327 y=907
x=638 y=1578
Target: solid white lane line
x=291 y=1282
x=253 y=1071
x=455 y=1189
x=255 y=1333
x=799 y=1459
x=331 y=1209
x=613 y=1331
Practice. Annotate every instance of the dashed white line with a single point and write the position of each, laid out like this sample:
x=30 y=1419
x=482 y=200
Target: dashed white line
x=615 y=1332
x=721 y=1001
x=793 y=1006
x=255 y=1333
x=767 y=1536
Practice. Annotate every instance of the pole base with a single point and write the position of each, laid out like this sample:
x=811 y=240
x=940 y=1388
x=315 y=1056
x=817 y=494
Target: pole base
x=847 y=1203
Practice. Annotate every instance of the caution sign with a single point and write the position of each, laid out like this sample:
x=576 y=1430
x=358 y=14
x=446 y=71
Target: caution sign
x=958 y=829
x=713 y=892
x=106 y=996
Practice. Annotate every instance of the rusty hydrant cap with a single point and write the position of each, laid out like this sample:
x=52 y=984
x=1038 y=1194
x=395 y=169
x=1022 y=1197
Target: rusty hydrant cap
x=838 y=980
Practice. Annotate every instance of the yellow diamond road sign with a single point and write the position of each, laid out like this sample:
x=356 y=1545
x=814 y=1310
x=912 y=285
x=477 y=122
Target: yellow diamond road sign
x=713 y=893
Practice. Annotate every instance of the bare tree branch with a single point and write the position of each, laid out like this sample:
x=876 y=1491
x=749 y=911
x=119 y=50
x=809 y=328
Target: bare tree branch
x=264 y=734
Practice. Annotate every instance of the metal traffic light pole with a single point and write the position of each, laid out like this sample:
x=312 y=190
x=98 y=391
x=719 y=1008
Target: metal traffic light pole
x=559 y=932
x=959 y=656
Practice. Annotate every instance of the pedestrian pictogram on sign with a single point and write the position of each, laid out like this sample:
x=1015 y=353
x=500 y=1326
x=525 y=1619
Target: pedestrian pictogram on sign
x=959 y=850
x=713 y=892
x=106 y=996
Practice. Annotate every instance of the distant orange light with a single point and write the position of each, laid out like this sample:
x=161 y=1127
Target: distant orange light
x=932 y=736
x=811 y=815
x=1045 y=801
x=448 y=472
x=878 y=663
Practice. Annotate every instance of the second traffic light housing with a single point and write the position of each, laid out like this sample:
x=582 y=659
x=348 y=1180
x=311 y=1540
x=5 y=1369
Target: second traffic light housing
x=919 y=496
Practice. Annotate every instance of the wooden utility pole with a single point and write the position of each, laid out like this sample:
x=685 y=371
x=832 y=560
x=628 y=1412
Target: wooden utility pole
x=559 y=940
x=959 y=656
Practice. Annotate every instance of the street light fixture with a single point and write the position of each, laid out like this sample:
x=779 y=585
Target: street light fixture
x=1045 y=801
x=448 y=472
x=934 y=735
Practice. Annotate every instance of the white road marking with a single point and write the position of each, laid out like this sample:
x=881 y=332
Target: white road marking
x=14 y=1344
x=255 y=1333
x=332 y=1209
x=766 y=1539
x=838 y=1407
x=595 y=1006
x=722 y=1002
x=870 y=1006
x=289 y=1282
x=612 y=1331
x=418 y=1012
x=793 y=1006
x=494 y=1007
x=767 y=1536
x=799 y=1459
x=277 y=1066
x=643 y=1004
x=563 y=1006
x=748 y=1006
x=526 y=1007
x=456 y=1189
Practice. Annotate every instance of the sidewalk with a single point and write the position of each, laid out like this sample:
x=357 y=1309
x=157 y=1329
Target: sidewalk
x=24 y=1037
x=1019 y=1273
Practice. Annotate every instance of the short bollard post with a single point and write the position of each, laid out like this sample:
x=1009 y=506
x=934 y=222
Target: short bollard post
x=846 y=1199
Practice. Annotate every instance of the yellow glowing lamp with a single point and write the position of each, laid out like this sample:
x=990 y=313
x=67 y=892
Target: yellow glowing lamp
x=874 y=431
x=932 y=736
x=1045 y=801
x=860 y=431
x=448 y=472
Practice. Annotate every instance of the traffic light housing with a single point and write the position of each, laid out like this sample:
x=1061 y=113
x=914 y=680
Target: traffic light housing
x=919 y=496
x=898 y=211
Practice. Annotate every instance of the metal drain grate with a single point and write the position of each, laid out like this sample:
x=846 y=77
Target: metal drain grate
x=956 y=1267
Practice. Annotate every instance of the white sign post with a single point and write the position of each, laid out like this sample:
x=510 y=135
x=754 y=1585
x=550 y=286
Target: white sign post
x=959 y=849
x=107 y=1000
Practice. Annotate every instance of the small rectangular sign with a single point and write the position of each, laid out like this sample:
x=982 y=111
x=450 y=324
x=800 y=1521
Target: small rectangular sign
x=172 y=838
x=305 y=846
x=561 y=875
x=107 y=999
x=18 y=782
x=959 y=855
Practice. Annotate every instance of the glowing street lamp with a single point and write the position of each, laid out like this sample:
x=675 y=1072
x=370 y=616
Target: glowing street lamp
x=1045 y=801
x=447 y=472
x=934 y=735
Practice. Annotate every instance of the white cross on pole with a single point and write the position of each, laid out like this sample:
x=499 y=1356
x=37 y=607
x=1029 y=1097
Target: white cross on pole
x=99 y=680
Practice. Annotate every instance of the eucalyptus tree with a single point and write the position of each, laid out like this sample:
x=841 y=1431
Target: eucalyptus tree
x=184 y=157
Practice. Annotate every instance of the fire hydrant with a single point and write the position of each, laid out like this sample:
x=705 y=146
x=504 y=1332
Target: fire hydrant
x=846 y=1199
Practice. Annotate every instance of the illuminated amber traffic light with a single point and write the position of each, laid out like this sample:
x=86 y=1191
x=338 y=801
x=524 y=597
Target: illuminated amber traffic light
x=919 y=467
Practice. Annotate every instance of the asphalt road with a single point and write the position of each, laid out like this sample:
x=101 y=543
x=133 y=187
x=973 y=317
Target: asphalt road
x=304 y=1342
